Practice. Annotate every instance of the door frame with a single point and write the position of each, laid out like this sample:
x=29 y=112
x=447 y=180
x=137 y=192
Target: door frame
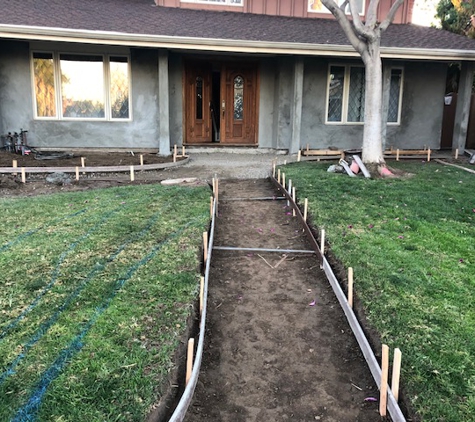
x=219 y=65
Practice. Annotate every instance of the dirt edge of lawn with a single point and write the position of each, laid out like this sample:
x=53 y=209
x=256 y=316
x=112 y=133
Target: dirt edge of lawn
x=370 y=332
x=174 y=385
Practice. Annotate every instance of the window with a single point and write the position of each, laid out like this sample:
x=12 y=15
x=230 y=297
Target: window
x=346 y=95
x=316 y=6
x=80 y=86
x=221 y=2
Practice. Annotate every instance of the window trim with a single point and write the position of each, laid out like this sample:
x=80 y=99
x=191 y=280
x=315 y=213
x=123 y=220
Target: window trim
x=325 y=10
x=345 y=95
x=399 y=111
x=56 y=54
x=214 y=3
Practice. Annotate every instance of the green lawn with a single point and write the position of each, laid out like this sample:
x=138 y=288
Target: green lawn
x=411 y=242
x=95 y=291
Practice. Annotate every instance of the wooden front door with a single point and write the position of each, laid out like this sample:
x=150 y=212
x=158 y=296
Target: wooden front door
x=197 y=103
x=238 y=105
x=220 y=103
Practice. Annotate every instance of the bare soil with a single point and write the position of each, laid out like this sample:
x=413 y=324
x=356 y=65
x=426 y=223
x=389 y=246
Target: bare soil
x=36 y=184
x=278 y=347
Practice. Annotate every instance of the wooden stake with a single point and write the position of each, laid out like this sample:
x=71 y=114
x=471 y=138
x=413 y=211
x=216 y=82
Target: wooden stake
x=214 y=186
x=293 y=198
x=397 y=154
x=132 y=174
x=217 y=195
x=289 y=190
x=211 y=206
x=205 y=246
x=141 y=159
x=305 y=208
x=396 y=373
x=384 y=380
x=278 y=175
x=174 y=153
x=428 y=154
x=189 y=359
x=77 y=172
x=322 y=241
x=350 y=287
x=273 y=169
x=299 y=155
x=322 y=247
x=283 y=180
x=83 y=164
x=456 y=153
x=14 y=164
x=183 y=151
x=202 y=289
x=23 y=175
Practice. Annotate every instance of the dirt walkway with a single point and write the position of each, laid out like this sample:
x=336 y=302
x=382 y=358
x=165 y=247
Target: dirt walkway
x=277 y=346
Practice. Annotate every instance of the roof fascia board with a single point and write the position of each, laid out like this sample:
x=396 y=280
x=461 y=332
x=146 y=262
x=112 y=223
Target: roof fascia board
x=221 y=45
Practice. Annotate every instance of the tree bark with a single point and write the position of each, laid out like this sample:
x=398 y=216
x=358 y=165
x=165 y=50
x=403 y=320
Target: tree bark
x=372 y=146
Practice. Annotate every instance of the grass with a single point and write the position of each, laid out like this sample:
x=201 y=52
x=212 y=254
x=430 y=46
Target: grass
x=411 y=242
x=95 y=293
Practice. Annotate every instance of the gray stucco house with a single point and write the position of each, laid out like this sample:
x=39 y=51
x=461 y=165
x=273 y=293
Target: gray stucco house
x=134 y=74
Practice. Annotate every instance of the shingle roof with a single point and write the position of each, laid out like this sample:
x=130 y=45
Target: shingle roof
x=143 y=18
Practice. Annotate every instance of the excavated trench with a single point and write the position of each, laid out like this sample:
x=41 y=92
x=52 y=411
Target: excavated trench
x=278 y=346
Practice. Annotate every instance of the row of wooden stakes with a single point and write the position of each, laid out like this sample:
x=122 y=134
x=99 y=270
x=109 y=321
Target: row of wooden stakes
x=78 y=171
x=191 y=341
x=396 y=367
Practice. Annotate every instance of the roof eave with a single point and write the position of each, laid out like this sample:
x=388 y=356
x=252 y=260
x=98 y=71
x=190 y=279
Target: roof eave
x=219 y=45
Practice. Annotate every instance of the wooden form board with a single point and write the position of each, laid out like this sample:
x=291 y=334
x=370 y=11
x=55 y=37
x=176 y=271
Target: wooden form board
x=323 y=152
x=99 y=169
x=400 y=153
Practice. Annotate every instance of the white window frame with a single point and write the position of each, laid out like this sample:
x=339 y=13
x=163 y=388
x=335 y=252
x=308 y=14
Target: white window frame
x=346 y=91
x=58 y=90
x=216 y=3
x=323 y=9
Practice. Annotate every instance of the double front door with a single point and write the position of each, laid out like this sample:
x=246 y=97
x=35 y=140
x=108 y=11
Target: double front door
x=220 y=103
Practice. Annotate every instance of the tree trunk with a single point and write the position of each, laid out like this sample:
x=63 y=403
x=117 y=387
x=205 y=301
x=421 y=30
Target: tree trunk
x=372 y=133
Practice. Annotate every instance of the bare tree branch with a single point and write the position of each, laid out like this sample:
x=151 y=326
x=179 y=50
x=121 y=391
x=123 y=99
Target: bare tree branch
x=343 y=5
x=372 y=14
x=390 y=16
x=362 y=30
x=348 y=28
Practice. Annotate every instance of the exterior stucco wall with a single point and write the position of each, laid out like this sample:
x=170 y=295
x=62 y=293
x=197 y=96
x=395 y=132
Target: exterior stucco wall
x=17 y=110
x=267 y=83
x=421 y=113
x=175 y=65
x=15 y=93
x=423 y=106
x=421 y=119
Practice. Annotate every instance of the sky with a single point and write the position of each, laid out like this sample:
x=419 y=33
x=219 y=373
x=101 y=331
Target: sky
x=424 y=12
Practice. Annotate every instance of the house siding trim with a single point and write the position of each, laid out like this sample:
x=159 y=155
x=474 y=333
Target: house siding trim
x=221 y=45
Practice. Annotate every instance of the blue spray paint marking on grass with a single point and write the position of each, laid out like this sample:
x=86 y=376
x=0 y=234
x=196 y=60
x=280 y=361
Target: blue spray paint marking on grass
x=33 y=231
x=55 y=274
x=29 y=411
x=45 y=326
